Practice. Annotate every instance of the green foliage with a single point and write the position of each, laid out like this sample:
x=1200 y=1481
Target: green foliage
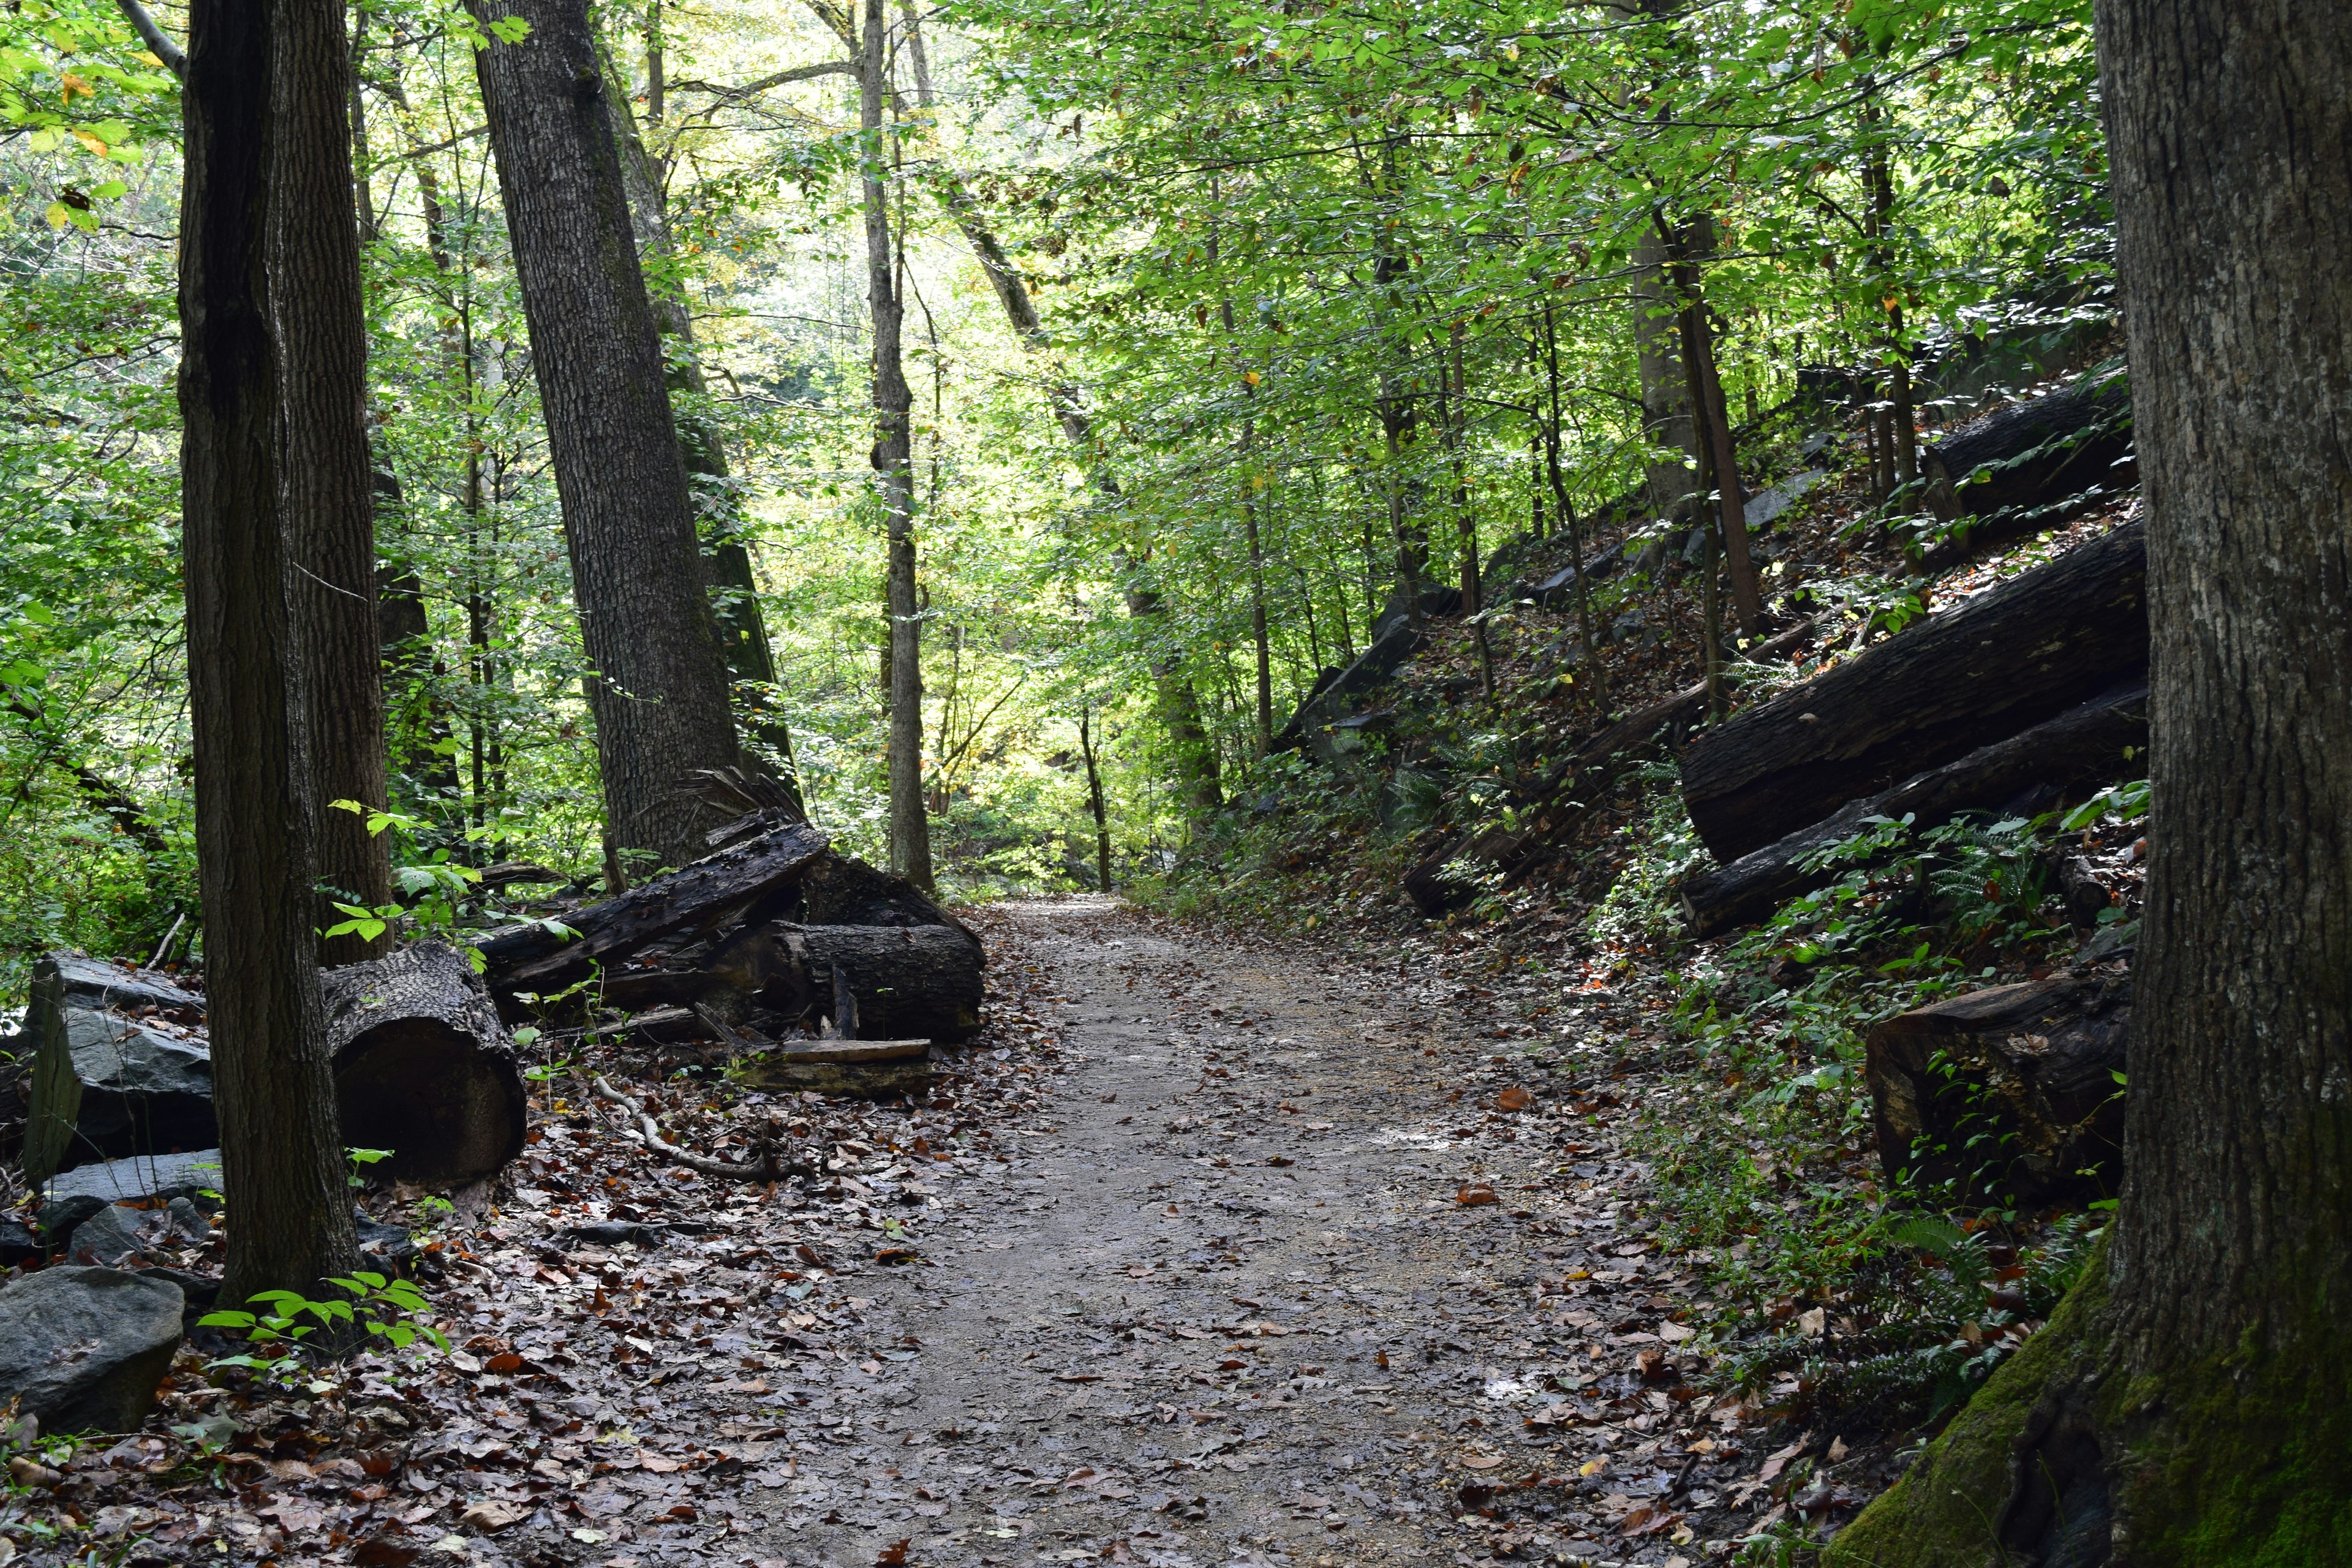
x=393 y=1312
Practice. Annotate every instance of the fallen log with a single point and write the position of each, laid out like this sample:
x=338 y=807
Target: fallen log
x=906 y=981
x=543 y=957
x=1985 y=669
x=120 y=1065
x=2015 y=472
x=1449 y=877
x=423 y=1068
x=2088 y=744
x=2008 y=1095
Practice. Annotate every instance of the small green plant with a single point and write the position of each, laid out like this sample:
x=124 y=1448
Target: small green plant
x=2120 y=803
x=357 y=1158
x=393 y=1311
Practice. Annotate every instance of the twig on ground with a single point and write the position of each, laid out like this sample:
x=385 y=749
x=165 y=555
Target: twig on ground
x=772 y=1166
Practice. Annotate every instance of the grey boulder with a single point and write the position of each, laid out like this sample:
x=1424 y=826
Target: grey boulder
x=81 y=1192
x=86 y=1347
x=108 y=1236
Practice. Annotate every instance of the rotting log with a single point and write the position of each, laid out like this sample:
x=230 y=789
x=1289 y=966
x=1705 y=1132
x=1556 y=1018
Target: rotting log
x=423 y=1068
x=2016 y=471
x=698 y=898
x=1980 y=671
x=1448 y=877
x=2008 y=1094
x=903 y=980
x=121 y=1065
x=843 y=891
x=2091 y=743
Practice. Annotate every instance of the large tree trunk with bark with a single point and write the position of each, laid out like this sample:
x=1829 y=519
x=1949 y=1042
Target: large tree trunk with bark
x=659 y=691
x=250 y=123
x=737 y=619
x=2092 y=743
x=327 y=479
x=2193 y=1391
x=2000 y=662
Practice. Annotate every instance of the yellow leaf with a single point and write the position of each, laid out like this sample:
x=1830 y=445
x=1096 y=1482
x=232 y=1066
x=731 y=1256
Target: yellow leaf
x=58 y=215
x=150 y=57
x=1250 y=376
x=74 y=84
x=90 y=141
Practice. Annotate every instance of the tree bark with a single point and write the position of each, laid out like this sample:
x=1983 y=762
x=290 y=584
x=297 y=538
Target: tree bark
x=1094 y=803
x=737 y=619
x=1666 y=389
x=326 y=479
x=2194 y=1387
x=893 y=459
x=659 y=691
x=1965 y=677
x=1715 y=431
x=249 y=125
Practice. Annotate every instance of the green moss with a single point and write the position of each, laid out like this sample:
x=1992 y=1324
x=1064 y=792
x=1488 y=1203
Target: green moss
x=2245 y=1461
x=1946 y=1512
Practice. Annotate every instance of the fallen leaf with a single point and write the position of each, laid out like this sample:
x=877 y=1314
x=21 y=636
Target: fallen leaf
x=489 y=1516
x=1675 y=1334
x=384 y=1551
x=1472 y=1197
x=1811 y=1324
x=1514 y=1099
x=1838 y=1450
x=1481 y=1461
x=509 y=1361
x=892 y=1555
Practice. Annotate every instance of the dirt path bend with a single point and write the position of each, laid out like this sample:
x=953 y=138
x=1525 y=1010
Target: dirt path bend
x=1224 y=1301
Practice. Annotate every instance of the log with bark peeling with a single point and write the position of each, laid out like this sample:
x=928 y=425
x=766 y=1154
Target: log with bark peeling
x=1983 y=670
x=1448 y=877
x=2092 y=743
x=2009 y=1094
x=698 y=898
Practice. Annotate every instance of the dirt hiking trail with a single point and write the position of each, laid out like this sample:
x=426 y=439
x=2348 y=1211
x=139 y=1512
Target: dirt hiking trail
x=1286 y=1269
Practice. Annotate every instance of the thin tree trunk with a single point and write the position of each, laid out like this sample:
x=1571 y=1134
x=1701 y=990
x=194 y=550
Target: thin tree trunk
x=1095 y=801
x=1589 y=663
x=1666 y=419
x=659 y=693
x=1455 y=418
x=264 y=114
x=1714 y=434
x=894 y=460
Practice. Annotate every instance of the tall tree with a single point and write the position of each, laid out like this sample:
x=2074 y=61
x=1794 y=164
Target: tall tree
x=265 y=201
x=893 y=456
x=736 y=616
x=2191 y=1403
x=658 y=685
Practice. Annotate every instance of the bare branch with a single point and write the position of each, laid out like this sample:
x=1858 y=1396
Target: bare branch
x=157 y=42
x=781 y=79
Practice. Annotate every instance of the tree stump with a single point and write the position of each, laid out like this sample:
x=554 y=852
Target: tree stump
x=2010 y=1094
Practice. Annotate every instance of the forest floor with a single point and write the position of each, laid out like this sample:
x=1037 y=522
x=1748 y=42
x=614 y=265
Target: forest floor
x=1214 y=1249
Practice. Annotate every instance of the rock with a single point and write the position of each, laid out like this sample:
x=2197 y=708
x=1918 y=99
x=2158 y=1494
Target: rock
x=86 y=1347
x=81 y=1192
x=386 y=1244
x=108 y=1236
x=121 y=1065
x=18 y=1244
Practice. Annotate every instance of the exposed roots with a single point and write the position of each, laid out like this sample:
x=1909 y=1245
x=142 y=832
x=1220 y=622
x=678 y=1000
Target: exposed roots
x=777 y=1161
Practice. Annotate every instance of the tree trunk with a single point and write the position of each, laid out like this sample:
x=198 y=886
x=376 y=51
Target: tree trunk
x=2084 y=745
x=255 y=113
x=893 y=458
x=2195 y=1387
x=1094 y=803
x=1715 y=431
x=659 y=693
x=326 y=479
x=1666 y=389
x=1979 y=673
x=737 y=619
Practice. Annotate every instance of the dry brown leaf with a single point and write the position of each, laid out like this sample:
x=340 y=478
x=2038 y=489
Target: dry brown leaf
x=1514 y=1099
x=1471 y=1196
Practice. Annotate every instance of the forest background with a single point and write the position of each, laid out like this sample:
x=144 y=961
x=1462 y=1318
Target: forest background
x=1329 y=301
